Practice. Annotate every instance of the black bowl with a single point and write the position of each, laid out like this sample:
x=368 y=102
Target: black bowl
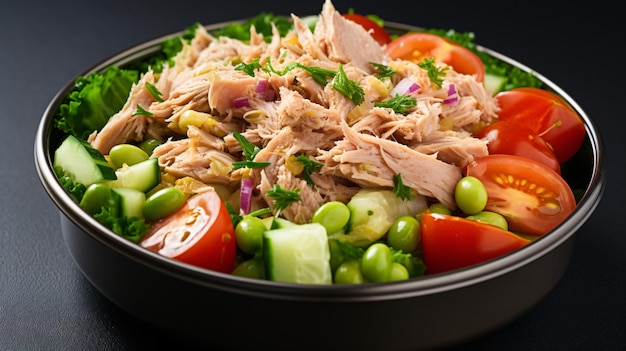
x=230 y=312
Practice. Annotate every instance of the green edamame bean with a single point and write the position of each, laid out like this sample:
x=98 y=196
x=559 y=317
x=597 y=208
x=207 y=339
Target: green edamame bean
x=438 y=207
x=126 y=154
x=376 y=263
x=398 y=272
x=492 y=218
x=95 y=198
x=163 y=203
x=337 y=256
x=249 y=234
x=333 y=215
x=349 y=272
x=251 y=268
x=405 y=234
x=470 y=195
x=149 y=145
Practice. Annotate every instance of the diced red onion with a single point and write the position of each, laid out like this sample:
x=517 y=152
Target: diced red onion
x=453 y=96
x=404 y=86
x=240 y=102
x=264 y=91
x=245 y=197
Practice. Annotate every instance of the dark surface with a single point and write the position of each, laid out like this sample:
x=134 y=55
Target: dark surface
x=46 y=303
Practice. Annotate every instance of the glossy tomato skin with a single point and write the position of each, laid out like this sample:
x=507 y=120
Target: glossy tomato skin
x=200 y=233
x=416 y=46
x=377 y=32
x=532 y=197
x=451 y=242
x=514 y=138
x=547 y=115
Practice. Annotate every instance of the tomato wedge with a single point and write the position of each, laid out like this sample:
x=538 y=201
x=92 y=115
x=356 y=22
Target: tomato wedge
x=416 y=46
x=200 y=233
x=376 y=31
x=514 y=138
x=451 y=242
x=530 y=195
x=547 y=115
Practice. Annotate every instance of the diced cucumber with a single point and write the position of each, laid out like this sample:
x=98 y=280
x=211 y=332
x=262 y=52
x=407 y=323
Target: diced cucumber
x=77 y=159
x=141 y=176
x=130 y=202
x=494 y=83
x=298 y=254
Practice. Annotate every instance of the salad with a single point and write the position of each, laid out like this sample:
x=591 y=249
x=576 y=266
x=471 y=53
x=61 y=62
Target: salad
x=319 y=150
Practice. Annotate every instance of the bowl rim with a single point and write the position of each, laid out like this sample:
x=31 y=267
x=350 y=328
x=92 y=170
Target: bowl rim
x=426 y=285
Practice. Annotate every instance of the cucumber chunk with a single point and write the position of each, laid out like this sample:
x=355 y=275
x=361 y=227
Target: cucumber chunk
x=298 y=254
x=494 y=83
x=131 y=202
x=141 y=176
x=78 y=160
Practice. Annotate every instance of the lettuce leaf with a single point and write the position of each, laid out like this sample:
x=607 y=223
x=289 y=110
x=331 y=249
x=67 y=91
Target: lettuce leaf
x=94 y=99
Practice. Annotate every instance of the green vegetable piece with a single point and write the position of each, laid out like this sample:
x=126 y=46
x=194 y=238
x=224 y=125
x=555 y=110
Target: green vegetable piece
x=249 y=234
x=398 y=272
x=470 y=195
x=405 y=234
x=95 y=98
x=349 y=272
x=78 y=160
x=96 y=197
x=376 y=263
x=373 y=211
x=297 y=254
x=348 y=87
x=492 y=218
x=333 y=215
x=163 y=203
x=149 y=145
x=251 y=268
x=126 y=154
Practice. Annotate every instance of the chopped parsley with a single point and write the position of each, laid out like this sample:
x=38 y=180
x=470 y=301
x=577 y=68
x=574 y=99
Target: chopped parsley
x=398 y=103
x=249 y=67
x=249 y=152
x=435 y=74
x=348 y=87
x=309 y=166
x=402 y=191
x=383 y=71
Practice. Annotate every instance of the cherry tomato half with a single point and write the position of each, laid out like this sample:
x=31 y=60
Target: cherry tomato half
x=547 y=115
x=530 y=195
x=514 y=138
x=451 y=242
x=200 y=233
x=416 y=46
x=377 y=32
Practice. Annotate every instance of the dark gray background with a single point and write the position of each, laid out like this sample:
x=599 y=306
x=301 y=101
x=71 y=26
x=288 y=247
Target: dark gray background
x=46 y=303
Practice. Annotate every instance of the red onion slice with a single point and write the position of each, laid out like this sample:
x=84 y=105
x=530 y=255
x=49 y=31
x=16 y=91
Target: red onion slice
x=404 y=86
x=245 y=197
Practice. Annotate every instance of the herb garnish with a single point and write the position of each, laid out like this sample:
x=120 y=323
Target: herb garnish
x=398 y=103
x=283 y=197
x=383 y=71
x=309 y=166
x=249 y=67
x=347 y=87
x=156 y=94
x=402 y=191
x=435 y=74
x=141 y=111
x=249 y=152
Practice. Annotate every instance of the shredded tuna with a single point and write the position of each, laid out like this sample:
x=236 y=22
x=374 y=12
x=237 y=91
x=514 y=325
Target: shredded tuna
x=357 y=145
